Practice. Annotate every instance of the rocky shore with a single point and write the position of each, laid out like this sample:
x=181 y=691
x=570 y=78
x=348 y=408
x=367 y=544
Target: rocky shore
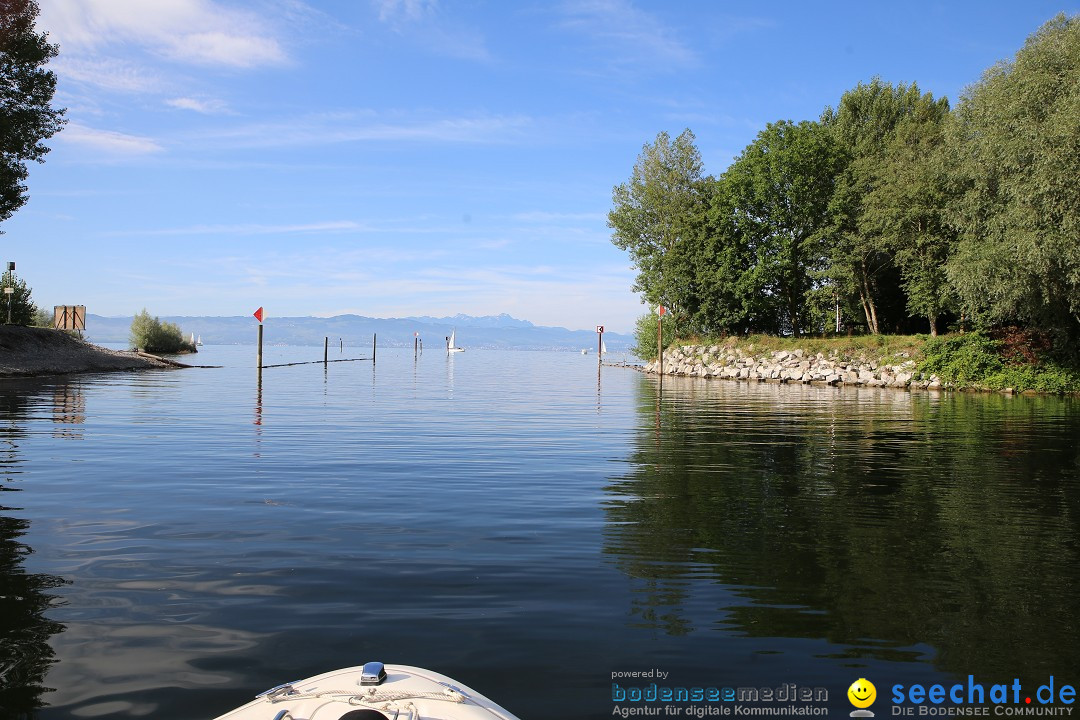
x=792 y=366
x=26 y=351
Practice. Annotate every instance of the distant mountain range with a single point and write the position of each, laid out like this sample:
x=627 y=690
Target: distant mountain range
x=490 y=331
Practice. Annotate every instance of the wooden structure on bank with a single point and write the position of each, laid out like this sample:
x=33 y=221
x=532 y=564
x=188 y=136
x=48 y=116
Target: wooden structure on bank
x=69 y=317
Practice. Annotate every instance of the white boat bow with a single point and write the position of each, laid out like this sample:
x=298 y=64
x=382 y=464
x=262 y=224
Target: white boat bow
x=372 y=692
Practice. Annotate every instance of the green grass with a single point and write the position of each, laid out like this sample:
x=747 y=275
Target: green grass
x=879 y=348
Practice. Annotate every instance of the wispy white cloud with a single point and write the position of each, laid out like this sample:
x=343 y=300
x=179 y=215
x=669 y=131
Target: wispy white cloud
x=331 y=226
x=540 y=216
x=204 y=106
x=111 y=74
x=424 y=21
x=352 y=127
x=391 y=10
x=223 y=48
x=191 y=31
x=627 y=35
x=108 y=141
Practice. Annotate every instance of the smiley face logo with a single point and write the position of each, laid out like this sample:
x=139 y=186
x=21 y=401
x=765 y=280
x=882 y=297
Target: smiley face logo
x=862 y=693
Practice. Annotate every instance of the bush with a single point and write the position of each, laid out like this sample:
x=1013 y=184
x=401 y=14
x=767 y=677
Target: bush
x=149 y=334
x=645 y=334
x=43 y=318
x=975 y=360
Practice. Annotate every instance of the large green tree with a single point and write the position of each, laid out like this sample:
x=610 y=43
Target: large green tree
x=779 y=190
x=1017 y=141
x=864 y=127
x=26 y=93
x=732 y=301
x=906 y=208
x=657 y=217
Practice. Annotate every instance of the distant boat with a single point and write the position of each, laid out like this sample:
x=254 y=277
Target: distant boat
x=192 y=338
x=199 y=341
x=585 y=351
x=603 y=347
x=451 y=346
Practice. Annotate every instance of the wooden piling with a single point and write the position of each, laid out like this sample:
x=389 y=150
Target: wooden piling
x=374 y=337
x=660 y=338
x=259 y=353
x=325 y=349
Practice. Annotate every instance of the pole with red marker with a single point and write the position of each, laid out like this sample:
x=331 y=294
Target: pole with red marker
x=660 y=310
x=259 y=355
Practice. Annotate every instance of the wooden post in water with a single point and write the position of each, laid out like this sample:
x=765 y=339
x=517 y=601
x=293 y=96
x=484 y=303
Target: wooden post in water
x=325 y=349
x=660 y=337
x=374 y=337
x=415 y=344
x=341 y=345
x=258 y=354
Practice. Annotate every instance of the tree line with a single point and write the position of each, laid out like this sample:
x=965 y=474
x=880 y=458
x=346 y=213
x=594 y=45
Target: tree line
x=892 y=213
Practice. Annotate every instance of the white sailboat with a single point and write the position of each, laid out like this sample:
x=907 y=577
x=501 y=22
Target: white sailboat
x=192 y=338
x=451 y=346
x=603 y=347
x=199 y=341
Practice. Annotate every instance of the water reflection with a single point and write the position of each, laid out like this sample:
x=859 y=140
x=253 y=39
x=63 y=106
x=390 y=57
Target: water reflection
x=258 y=406
x=893 y=525
x=599 y=394
x=69 y=410
x=25 y=653
x=116 y=669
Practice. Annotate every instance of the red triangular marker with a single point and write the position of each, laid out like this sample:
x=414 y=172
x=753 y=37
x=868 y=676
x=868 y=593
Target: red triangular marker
x=259 y=314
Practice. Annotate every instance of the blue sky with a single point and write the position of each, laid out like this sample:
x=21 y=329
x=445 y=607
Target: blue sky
x=422 y=157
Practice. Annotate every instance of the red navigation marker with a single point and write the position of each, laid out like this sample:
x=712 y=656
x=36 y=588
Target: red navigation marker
x=661 y=310
x=259 y=314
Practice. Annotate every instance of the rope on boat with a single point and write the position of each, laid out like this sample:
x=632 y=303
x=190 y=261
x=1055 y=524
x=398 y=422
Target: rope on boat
x=367 y=698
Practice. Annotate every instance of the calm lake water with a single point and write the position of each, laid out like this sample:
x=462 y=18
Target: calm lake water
x=172 y=543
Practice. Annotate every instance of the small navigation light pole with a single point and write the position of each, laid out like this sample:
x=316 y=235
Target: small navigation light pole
x=259 y=354
x=599 y=344
x=10 y=290
x=415 y=344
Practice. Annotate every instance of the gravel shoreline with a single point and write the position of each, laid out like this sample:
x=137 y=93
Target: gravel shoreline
x=27 y=352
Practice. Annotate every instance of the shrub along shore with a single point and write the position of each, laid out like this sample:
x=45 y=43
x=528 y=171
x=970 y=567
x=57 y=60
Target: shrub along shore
x=970 y=361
